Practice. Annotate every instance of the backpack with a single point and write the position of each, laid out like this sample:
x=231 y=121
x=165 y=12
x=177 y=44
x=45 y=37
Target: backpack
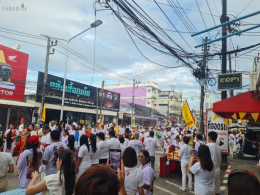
x=159 y=135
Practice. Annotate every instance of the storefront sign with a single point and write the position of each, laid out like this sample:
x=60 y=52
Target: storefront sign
x=187 y=115
x=77 y=94
x=13 y=71
x=229 y=81
x=217 y=124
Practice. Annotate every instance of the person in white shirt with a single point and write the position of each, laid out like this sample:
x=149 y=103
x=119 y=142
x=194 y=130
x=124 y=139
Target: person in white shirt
x=136 y=144
x=62 y=182
x=52 y=152
x=204 y=171
x=147 y=171
x=64 y=138
x=121 y=130
x=103 y=130
x=53 y=126
x=70 y=125
x=231 y=140
x=146 y=134
x=81 y=132
x=10 y=136
x=173 y=130
x=38 y=130
x=6 y=166
x=72 y=131
x=160 y=140
x=199 y=142
x=134 y=177
x=215 y=152
x=84 y=156
x=95 y=149
x=184 y=154
x=150 y=145
x=113 y=142
x=95 y=130
x=104 y=148
x=45 y=140
x=167 y=139
x=122 y=144
x=75 y=123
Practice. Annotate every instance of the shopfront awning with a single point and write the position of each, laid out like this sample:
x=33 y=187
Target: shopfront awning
x=143 y=117
x=172 y=120
x=15 y=103
x=245 y=102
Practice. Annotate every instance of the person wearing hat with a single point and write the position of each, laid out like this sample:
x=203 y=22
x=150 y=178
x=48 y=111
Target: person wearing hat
x=45 y=140
x=29 y=161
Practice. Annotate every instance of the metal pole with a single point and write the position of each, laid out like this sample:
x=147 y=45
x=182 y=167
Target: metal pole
x=46 y=74
x=181 y=110
x=202 y=96
x=133 y=102
x=101 y=99
x=230 y=70
x=97 y=107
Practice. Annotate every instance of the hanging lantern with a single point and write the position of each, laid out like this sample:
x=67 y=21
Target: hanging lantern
x=179 y=100
x=168 y=100
x=152 y=100
x=185 y=99
x=199 y=97
x=146 y=99
x=157 y=100
x=207 y=96
x=180 y=92
x=162 y=100
x=173 y=100
x=192 y=98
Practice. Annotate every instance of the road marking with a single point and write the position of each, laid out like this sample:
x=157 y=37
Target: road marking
x=169 y=192
x=176 y=185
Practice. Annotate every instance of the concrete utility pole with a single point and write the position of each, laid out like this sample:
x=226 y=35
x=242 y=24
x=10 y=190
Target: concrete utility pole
x=202 y=95
x=102 y=94
x=46 y=74
x=97 y=106
x=230 y=70
x=133 y=102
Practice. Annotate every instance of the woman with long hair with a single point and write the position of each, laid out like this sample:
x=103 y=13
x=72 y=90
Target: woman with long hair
x=29 y=161
x=63 y=182
x=10 y=136
x=95 y=149
x=147 y=171
x=104 y=147
x=84 y=154
x=65 y=136
x=203 y=170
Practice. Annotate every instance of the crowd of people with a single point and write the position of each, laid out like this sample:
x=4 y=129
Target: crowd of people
x=54 y=159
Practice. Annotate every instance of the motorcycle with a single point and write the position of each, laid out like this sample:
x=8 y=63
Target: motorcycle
x=5 y=71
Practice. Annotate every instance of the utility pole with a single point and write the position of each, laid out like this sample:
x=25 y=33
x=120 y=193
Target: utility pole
x=181 y=111
x=45 y=74
x=133 y=102
x=230 y=70
x=202 y=95
x=101 y=99
x=224 y=55
x=97 y=106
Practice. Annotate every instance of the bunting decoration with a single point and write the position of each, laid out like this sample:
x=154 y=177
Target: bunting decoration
x=215 y=117
x=234 y=116
x=255 y=116
x=242 y=115
x=225 y=121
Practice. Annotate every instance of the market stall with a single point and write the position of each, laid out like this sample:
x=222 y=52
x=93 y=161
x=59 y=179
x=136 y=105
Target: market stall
x=166 y=166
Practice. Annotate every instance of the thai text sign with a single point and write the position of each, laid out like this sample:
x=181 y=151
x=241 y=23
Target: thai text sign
x=187 y=115
x=229 y=81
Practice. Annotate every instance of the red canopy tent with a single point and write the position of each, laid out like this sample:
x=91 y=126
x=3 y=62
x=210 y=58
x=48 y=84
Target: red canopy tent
x=245 y=102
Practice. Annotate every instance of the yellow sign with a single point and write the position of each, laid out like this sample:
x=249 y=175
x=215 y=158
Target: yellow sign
x=242 y=115
x=43 y=113
x=255 y=116
x=215 y=117
x=234 y=116
x=187 y=115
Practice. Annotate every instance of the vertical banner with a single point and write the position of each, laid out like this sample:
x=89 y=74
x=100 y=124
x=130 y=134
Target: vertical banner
x=43 y=113
x=218 y=125
x=187 y=115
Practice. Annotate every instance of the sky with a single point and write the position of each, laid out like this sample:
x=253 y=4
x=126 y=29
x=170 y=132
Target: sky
x=113 y=47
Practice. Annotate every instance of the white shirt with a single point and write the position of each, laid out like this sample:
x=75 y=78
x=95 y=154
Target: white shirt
x=121 y=131
x=104 y=147
x=122 y=148
x=6 y=159
x=65 y=140
x=53 y=184
x=175 y=143
x=51 y=154
x=52 y=127
x=75 y=124
x=173 y=130
x=85 y=154
x=103 y=130
x=198 y=144
x=72 y=132
x=167 y=134
x=133 y=180
x=148 y=176
x=150 y=145
x=184 y=153
x=137 y=145
x=95 y=156
x=94 y=131
x=45 y=139
x=33 y=133
x=215 y=152
x=81 y=132
x=113 y=143
x=204 y=180
x=146 y=135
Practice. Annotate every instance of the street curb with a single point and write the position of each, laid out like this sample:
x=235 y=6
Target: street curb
x=224 y=183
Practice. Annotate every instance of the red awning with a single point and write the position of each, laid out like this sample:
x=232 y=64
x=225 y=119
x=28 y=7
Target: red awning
x=244 y=102
x=172 y=120
x=161 y=119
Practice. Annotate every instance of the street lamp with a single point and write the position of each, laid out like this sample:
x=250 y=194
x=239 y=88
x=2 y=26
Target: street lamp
x=93 y=25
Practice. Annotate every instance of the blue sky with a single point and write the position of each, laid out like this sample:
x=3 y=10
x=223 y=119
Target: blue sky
x=114 y=48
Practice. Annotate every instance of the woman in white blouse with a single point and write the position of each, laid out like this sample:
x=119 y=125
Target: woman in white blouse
x=95 y=149
x=104 y=147
x=184 y=154
x=61 y=183
x=84 y=154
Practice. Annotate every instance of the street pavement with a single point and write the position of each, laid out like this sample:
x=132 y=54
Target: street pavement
x=170 y=184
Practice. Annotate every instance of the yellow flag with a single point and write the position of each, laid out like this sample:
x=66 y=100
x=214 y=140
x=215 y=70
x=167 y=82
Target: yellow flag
x=215 y=117
x=116 y=129
x=242 y=115
x=134 y=123
x=43 y=113
x=255 y=116
x=225 y=121
x=187 y=115
x=234 y=116
x=170 y=124
x=102 y=120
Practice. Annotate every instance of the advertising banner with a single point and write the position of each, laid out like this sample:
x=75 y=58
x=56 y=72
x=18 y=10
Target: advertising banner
x=77 y=94
x=13 y=71
x=229 y=81
x=187 y=115
x=217 y=124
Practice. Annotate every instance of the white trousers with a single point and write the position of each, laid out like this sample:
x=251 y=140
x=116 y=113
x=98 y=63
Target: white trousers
x=184 y=171
x=231 y=150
